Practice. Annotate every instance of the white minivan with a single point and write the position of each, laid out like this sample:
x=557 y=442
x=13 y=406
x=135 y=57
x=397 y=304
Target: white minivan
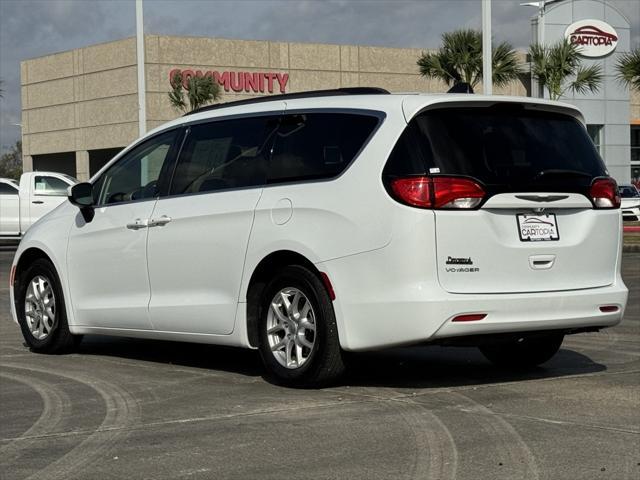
x=310 y=224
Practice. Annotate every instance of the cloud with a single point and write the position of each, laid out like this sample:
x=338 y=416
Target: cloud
x=31 y=28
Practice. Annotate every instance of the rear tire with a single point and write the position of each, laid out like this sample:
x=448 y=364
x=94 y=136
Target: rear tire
x=41 y=311
x=298 y=336
x=526 y=352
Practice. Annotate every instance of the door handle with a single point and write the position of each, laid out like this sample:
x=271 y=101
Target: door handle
x=37 y=202
x=159 y=222
x=138 y=224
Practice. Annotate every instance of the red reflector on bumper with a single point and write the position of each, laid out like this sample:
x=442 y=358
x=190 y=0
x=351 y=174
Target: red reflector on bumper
x=470 y=317
x=609 y=308
x=12 y=275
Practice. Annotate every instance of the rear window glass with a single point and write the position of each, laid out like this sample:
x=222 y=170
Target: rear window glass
x=505 y=147
x=317 y=145
x=628 y=191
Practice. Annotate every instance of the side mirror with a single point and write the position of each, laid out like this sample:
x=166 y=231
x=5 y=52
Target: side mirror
x=81 y=195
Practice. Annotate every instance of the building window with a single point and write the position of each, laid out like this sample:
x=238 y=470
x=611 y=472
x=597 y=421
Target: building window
x=595 y=132
x=635 y=154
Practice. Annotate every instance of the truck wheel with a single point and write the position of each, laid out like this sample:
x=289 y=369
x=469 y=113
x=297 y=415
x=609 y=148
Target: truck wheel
x=41 y=310
x=525 y=352
x=298 y=336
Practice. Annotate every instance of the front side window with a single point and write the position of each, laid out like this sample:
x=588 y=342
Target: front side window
x=318 y=145
x=135 y=176
x=224 y=154
x=46 y=185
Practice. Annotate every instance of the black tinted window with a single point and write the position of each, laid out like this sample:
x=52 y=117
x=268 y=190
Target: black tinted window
x=318 y=145
x=505 y=147
x=7 y=189
x=224 y=154
x=628 y=191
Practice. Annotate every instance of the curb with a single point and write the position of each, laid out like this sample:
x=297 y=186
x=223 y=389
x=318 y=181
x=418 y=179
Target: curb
x=631 y=248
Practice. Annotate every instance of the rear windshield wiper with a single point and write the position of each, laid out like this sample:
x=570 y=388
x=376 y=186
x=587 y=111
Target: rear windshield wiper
x=555 y=172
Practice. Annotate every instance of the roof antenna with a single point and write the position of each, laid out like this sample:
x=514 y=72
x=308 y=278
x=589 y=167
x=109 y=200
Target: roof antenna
x=461 y=87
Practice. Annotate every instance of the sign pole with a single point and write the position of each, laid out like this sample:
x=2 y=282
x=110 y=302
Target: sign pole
x=487 y=71
x=142 y=108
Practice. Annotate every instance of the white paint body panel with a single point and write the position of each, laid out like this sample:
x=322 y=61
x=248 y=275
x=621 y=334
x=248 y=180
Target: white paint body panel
x=381 y=256
x=19 y=212
x=196 y=261
x=107 y=267
x=9 y=210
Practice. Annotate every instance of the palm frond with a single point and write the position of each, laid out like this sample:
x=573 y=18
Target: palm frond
x=628 y=67
x=459 y=60
x=587 y=79
x=200 y=91
x=505 y=64
x=557 y=68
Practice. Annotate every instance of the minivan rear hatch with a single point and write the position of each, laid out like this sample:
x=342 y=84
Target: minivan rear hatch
x=536 y=228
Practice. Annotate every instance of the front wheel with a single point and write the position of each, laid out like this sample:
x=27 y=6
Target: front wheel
x=298 y=336
x=524 y=352
x=41 y=310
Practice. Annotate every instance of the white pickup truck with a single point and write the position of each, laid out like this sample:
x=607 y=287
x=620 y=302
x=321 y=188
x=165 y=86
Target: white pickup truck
x=22 y=204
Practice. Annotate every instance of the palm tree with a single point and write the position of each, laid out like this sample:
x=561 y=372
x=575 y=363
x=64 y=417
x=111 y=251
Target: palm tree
x=557 y=68
x=628 y=68
x=200 y=91
x=459 y=60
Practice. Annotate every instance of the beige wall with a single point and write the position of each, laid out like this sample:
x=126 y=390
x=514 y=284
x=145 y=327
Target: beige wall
x=86 y=99
x=80 y=100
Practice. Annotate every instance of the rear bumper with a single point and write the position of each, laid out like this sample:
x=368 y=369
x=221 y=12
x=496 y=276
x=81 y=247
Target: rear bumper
x=391 y=297
x=531 y=312
x=376 y=325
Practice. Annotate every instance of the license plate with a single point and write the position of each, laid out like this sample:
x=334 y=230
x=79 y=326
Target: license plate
x=537 y=228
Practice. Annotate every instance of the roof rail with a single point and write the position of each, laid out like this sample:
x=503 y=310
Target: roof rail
x=288 y=96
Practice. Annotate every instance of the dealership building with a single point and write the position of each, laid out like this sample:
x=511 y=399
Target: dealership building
x=80 y=107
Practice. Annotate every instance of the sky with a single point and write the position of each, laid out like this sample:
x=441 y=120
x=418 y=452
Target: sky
x=32 y=28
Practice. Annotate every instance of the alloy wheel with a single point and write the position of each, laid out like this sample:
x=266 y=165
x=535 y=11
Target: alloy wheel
x=291 y=328
x=40 y=307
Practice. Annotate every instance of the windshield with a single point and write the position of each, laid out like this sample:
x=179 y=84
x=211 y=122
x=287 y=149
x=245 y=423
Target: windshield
x=509 y=148
x=628 y=191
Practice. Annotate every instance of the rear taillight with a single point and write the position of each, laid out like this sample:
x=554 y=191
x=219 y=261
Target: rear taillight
x=604 y=193
x=438 y=192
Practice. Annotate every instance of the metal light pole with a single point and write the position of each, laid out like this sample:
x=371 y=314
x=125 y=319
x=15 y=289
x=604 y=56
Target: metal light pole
x=487 y=68
x=142 y=102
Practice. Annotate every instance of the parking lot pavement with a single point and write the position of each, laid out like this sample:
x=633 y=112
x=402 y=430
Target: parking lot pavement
x=137 y=409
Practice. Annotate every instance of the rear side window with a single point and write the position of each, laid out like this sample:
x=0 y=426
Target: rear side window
x=224 y=154
x=506 y=148
x=318 y=145
x=6 y=189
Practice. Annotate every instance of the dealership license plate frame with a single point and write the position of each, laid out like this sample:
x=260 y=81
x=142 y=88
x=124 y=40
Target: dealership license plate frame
x=549 y=218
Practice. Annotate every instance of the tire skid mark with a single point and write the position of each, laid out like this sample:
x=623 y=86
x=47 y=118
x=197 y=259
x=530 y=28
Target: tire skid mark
x=435 y=452
x=55 y=409
x=603 y=340
x=122 y=410
x=521 y=463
